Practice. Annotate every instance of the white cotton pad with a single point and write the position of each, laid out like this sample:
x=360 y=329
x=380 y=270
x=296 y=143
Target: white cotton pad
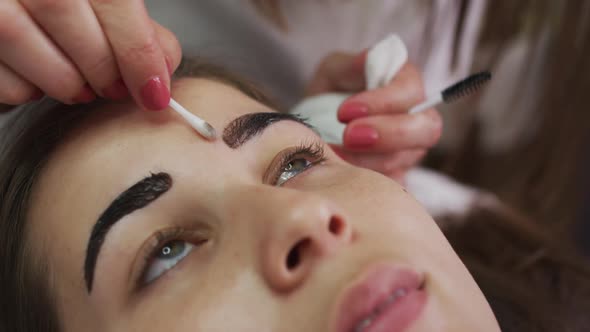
x=321 y=112
x=384 y=61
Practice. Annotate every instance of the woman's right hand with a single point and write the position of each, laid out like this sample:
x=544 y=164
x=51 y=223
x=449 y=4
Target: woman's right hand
x=73 y=50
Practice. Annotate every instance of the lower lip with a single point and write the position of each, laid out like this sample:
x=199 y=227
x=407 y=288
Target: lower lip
x=398 y=316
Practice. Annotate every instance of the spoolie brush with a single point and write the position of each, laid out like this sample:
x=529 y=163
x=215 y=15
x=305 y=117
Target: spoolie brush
x=455 y=91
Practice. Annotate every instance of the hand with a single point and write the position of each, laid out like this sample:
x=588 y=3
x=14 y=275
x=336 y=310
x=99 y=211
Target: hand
x=73 y=50
x=379 y=135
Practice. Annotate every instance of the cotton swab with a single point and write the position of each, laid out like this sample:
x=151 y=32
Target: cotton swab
x=200 y=125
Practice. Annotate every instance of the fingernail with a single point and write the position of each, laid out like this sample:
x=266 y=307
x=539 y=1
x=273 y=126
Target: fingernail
x=117 y=91
x=85 y=96
x=351 y=111
x=360 y=136
x=155 y=95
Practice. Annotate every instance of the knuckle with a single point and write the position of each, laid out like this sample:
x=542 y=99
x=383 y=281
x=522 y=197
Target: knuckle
x=101 y=69
x=147 y=48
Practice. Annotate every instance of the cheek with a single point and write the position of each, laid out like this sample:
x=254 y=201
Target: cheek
x=390 y=219
x=218 y=305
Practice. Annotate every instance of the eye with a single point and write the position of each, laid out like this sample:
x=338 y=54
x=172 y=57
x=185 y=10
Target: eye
x=292 y=169
x=297 y=160
x=165 y=258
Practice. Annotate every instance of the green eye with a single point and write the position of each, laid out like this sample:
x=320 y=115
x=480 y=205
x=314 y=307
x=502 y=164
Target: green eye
x=292 y=169
x=166 y=258
x=171 y=250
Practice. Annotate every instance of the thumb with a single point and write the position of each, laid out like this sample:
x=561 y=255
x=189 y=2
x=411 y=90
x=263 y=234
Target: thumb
x=339 y=72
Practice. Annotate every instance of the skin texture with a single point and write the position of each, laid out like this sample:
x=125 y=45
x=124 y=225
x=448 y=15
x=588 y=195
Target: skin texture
x=236 y=280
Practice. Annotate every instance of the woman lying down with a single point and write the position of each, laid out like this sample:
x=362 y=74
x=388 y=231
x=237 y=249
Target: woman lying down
x=115 y=219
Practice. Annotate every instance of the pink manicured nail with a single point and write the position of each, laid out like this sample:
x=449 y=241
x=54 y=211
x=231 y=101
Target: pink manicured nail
x=85 y=96
x=360 y=136
x=117 y=91
x=352 y=110
x=155 y=95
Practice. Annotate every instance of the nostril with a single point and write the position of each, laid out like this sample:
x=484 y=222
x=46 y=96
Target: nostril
x=336 y=226
x=294 y=256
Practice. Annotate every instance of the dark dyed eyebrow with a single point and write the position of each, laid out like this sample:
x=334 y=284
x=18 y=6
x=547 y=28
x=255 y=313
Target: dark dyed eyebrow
x=246 y=127
x=136 y=197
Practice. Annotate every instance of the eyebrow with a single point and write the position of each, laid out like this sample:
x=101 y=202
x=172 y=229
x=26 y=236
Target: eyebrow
x=134 y=198
x=244 y=128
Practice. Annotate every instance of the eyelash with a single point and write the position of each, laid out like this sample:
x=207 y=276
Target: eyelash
x=311 y=151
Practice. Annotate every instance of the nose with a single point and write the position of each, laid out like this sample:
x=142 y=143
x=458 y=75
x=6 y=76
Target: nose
x=299 y=231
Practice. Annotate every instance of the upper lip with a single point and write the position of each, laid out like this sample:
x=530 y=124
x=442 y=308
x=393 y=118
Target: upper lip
x=364 y=295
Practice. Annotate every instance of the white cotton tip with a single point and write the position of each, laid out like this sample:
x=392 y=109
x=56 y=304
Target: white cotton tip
x=201 y=126
x=321 y=112
x=384 y=60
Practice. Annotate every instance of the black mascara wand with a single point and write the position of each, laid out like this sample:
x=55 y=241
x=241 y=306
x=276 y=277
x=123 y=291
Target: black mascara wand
x=455 y=91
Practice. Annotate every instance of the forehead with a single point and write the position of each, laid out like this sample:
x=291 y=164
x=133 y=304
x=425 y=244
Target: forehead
x=121 y=138
x=125 y=126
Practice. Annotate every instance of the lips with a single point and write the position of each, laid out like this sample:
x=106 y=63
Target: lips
x=387 y=298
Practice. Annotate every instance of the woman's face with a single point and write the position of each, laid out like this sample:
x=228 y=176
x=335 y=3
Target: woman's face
x=148 y=227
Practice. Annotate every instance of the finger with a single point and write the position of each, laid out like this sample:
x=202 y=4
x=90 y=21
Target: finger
x=170 y=46
x=383 y=163
x=391 y=133
x=339 y=72
x=74 y=27
x=15 y=90
x=28 y=52
x=138 y=53
x=403 y=92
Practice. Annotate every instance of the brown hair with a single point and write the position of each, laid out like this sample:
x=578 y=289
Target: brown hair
x=542 y=175
x=531 y=283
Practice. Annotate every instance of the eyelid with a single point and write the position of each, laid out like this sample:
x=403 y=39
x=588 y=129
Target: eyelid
x=313 y=149
x=196 y=236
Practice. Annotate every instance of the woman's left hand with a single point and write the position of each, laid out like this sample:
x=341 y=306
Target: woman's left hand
x=379 y=134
